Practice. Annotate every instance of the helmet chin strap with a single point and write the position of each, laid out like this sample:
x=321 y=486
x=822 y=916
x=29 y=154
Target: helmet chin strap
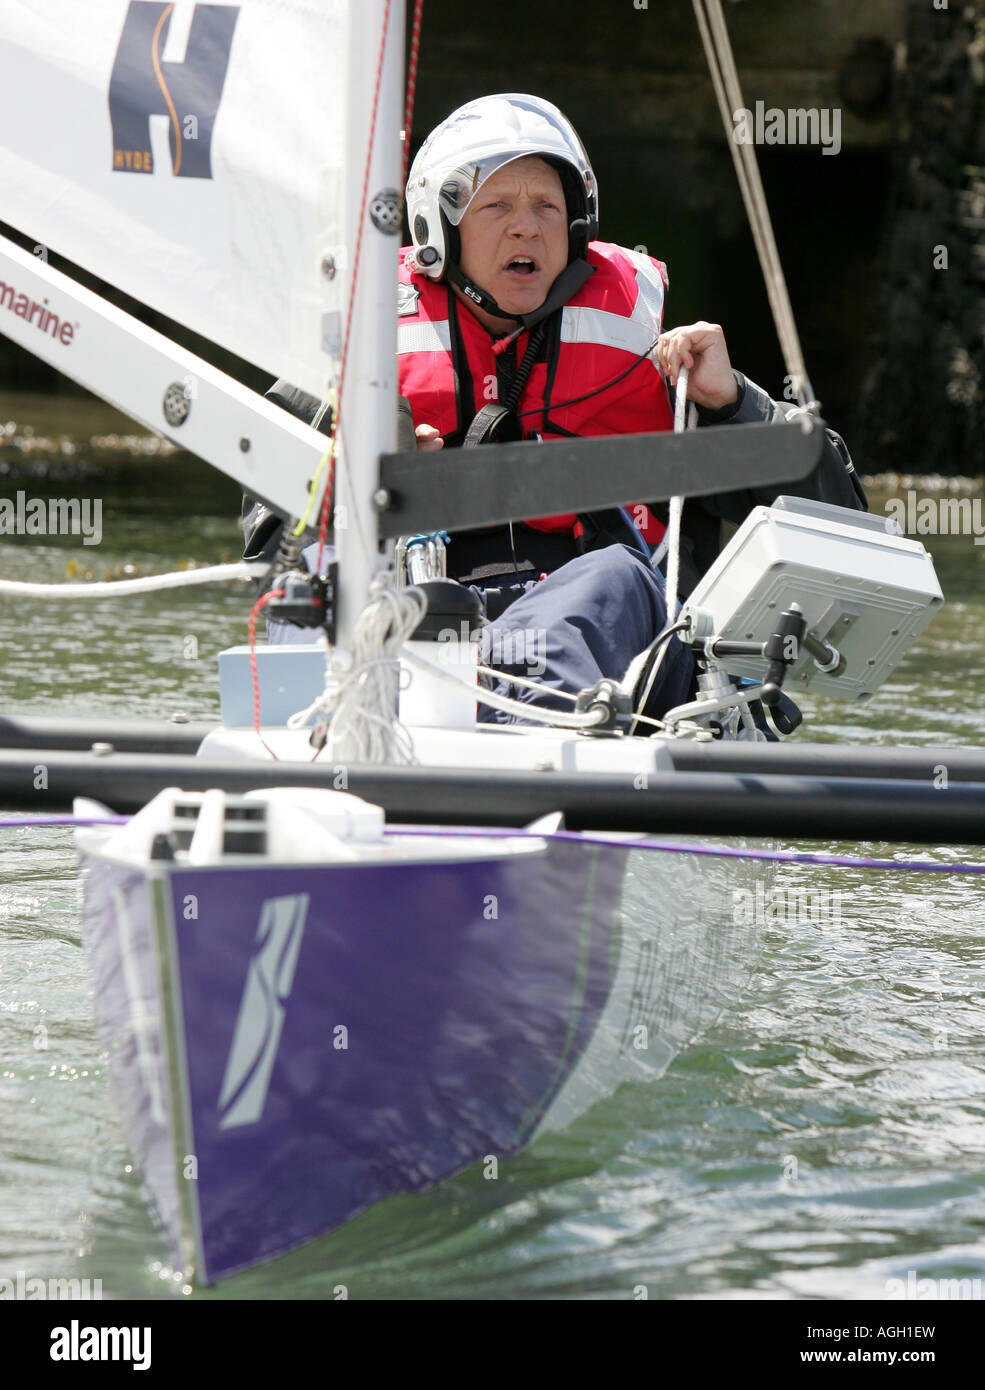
x=569 y=282
x=457 y=277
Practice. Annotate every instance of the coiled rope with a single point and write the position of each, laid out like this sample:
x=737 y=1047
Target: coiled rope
x=356 y=712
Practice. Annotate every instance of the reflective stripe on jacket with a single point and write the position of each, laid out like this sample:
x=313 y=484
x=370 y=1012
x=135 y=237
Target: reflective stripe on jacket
x=448 y=369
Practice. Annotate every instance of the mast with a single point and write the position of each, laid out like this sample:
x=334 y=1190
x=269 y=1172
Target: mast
x=368 y=416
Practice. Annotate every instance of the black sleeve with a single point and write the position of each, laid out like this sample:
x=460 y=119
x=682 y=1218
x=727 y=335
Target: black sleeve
x=262 y=528
x=833 y=480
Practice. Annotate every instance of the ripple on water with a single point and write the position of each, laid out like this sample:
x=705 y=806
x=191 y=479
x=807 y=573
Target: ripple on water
x=826 y=1136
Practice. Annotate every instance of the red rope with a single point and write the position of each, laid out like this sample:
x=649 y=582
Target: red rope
x=326 y=508
x=415 y=48
x=255 y=611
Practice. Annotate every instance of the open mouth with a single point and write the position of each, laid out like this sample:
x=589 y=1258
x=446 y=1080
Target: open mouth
x=521 y=265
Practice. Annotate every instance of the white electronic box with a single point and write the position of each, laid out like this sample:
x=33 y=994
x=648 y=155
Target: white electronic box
x=865 y=590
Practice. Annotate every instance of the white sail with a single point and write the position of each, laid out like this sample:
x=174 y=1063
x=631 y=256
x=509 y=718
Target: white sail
x=192 y=155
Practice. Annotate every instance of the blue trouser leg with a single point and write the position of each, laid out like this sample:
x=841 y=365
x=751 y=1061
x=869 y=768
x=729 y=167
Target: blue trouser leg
x=585 y=621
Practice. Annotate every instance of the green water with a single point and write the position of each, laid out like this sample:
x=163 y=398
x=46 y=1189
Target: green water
x=826 y=1136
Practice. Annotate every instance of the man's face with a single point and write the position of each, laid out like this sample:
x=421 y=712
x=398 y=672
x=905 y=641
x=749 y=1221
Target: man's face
x=515 y=234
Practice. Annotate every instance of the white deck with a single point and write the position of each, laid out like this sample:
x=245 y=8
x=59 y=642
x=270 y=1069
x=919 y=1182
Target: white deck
x=485 y=747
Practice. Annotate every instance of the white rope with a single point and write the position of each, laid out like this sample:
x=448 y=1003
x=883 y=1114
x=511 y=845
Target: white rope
x=320 y=706
x=676 y=507
x=728 y=90
x=121 y=588
x=360 y=695
x=356 y=713
x=672 y=541
x=557 y=718
x=528 y=684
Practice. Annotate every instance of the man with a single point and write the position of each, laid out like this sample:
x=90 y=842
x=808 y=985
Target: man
x=516 y=322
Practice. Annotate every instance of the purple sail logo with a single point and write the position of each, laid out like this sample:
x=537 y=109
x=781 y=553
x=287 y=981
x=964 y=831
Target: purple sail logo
x=142 y=85
x=261 y=1011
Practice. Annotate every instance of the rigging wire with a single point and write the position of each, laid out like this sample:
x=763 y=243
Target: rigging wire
x=326 y=507
x=59 y=820
x=415 y=49
x=333 y=398
x=527 y=684
x=255 y=612
x=728 y=90
x=630 y=841
x=329 y=403
x=328 y=459
x=673 y=539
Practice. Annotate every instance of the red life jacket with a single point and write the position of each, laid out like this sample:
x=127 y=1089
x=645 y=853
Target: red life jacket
x=447 y=366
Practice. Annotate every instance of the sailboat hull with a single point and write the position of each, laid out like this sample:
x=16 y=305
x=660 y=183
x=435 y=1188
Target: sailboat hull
x=292 y=1044
x=306 y=1041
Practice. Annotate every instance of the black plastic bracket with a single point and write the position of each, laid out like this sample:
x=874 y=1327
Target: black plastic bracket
x=616 y=704
x=308 y=600
x=460 y=489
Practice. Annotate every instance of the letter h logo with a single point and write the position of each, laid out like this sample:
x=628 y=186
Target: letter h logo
x=142 y=85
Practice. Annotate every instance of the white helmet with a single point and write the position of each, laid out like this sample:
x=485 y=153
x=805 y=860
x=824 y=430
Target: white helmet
x=467 y=148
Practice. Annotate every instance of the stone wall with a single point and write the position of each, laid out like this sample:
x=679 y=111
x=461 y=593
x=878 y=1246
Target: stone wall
x=924 y=398
x=635 y=83
x=623 y=72
x=893 y=347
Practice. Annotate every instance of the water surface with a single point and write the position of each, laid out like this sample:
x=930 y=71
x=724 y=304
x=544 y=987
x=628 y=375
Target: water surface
x=827 y=1135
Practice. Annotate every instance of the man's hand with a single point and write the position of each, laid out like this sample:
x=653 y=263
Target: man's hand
x=428 y=438
x=700 y=347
